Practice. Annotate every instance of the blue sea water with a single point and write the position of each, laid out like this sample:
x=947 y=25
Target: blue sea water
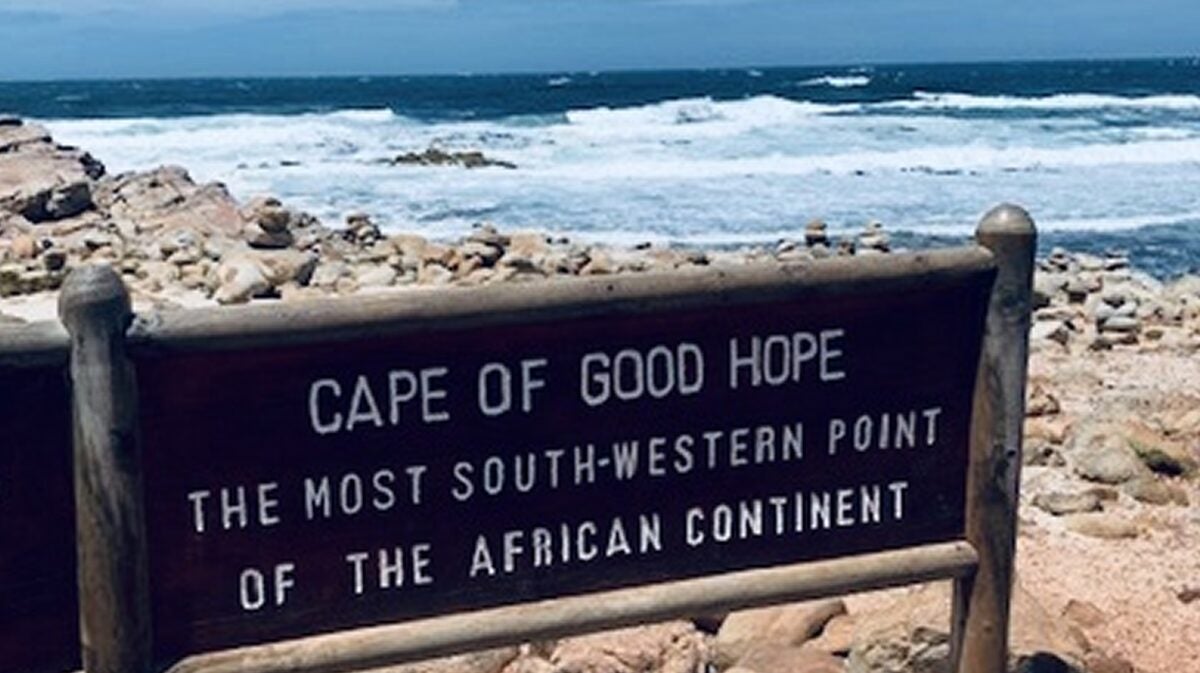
x=1105 y=154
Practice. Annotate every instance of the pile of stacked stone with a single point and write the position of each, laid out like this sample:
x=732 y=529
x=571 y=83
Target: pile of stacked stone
x=1100 y=302
x=182 y=243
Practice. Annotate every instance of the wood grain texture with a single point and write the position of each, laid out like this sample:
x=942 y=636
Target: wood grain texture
x=218 y=424
x=111 y=535
x=996 y=442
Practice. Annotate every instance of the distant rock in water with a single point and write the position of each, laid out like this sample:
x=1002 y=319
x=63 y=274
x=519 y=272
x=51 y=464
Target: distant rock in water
x=438 y=157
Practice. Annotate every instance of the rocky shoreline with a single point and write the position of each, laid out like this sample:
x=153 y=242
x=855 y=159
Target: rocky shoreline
x=1109 y=549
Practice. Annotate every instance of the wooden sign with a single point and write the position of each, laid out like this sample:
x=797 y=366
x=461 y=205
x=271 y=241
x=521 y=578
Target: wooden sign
x=432 y=466
x=39 y=626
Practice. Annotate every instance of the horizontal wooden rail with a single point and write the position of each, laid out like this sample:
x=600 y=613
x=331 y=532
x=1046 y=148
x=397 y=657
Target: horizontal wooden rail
x=411 y=641
x=333 y=319
x=39 y=343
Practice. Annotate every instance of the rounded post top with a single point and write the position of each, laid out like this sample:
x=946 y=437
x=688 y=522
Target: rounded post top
x=94 y=293
x=1006 y=219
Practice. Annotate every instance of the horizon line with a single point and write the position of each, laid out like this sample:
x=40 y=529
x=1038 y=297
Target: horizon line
x=611 y=71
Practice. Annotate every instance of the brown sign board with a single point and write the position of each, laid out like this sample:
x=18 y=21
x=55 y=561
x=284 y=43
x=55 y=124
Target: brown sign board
x=433 y=467
x=39 y=623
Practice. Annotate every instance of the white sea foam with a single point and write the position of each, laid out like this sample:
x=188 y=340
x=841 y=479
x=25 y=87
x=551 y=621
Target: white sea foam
x=837 y=82
x=372 y=115
x=701 y=170
x=1078 y=101
x=945 y=160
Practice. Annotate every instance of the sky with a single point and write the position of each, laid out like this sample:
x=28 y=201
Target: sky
x=68 y=39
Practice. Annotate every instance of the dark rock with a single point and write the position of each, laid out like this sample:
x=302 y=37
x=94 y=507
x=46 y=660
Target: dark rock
x=815 y=233
x=54 y=259
x=435 y=156
x=1188 y=595
x=1043 y=662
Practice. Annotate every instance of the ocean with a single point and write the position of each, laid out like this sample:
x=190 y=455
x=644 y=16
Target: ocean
x=1104 y=154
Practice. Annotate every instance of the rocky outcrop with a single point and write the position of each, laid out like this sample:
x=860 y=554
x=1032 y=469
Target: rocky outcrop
x=166 y=200
x=41 y=181
x=674 y=647
x=435 y=156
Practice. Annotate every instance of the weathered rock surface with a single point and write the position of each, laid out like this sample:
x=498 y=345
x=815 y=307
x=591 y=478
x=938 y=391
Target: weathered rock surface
x=41 y=181
x=674 y=647
x=786 y=659
x=1103 y=455
x=1103 y=525
x=747 y=630
x=1058 y=503
x=913 y=634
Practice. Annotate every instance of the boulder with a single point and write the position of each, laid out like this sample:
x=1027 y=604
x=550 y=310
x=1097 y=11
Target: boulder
x=42 y=181
x=328 y=272
x=787 y=659
x=375 y=276
x=837 y=637
x=745 y=630
x=599 y=263
x=435 y=274
x=268 y=213
x=166 y=199
x=1101 y=454
x=674 y=647
x=1153 y=491
x=1102 y=525
x=486 y=234
x=244 y=276
x=1160 y=453
x=1059 y=503
x=258 y=237
x=1122 y=324
x=912 y=634
x=486 y=253
x=287 y=266
x=239 y=279
x=530 y=244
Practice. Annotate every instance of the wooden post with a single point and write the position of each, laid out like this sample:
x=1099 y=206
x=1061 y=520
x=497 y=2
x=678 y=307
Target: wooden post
x=114 y=605
x=982 y=602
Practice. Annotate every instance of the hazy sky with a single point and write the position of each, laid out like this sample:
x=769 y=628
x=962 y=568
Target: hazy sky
x=42 y=39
